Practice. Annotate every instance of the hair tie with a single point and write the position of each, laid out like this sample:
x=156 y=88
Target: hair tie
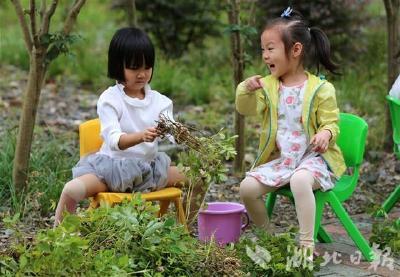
x=286 y=13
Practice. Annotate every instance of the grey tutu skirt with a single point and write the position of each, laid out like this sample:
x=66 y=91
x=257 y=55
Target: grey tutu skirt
x=127 y=174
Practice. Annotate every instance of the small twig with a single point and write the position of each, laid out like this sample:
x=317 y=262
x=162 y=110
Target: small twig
x=179 y=131
x=32 y=15
x=72 y=16
x=24 y=25
x=44 y=29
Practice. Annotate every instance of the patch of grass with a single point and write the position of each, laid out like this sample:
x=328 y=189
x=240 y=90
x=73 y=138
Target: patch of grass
x=12 y=46
x=376 y=8
x=362 y=87
x=274 y=255
x=8 y=196
x=386 y=233
x=50 y=167
x=201 y=76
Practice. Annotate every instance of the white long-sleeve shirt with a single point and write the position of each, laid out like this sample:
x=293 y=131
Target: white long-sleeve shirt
x=395 y=90
x=121 y=114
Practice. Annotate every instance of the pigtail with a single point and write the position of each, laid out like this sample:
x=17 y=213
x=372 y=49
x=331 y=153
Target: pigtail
x=320 y=51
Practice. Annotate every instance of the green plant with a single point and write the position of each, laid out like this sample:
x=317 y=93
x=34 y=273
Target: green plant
x=386 y=232
x=47 y=173
x=123 y=240
x=205 y=165
x=274 y=255
x=8 y=197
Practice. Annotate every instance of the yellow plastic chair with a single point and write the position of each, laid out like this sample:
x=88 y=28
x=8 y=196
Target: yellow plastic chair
x=90 y=141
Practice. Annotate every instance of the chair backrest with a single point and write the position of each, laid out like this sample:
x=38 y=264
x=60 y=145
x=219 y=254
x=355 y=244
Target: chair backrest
x=89 y=137
x=394 y=107
x=352 y=138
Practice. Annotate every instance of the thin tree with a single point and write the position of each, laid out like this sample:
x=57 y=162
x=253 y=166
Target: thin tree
x=132 y=13
x=43 y=47
x=129 y=9
x=238 y=68
x=393 y=27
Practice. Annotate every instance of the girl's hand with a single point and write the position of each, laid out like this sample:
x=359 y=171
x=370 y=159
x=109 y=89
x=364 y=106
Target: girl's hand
x=321 y=141
x=149 y=135
x=253 y=83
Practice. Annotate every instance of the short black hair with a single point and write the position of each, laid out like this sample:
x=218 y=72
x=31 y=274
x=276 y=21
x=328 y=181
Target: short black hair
x=316 y=46
x=129 y=48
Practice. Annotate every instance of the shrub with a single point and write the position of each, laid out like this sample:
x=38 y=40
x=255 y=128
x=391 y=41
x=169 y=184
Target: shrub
x=274 y=255
x=114 y=241
x=176 y=24
x=386 y=233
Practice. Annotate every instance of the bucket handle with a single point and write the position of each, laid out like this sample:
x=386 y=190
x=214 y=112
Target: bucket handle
x=247 y=220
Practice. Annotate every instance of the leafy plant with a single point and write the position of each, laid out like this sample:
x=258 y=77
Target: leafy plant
x=274 y=255
x=122 y=240
x=386 y=232
x=205 y=166
x=203 y=163
x=57 y=43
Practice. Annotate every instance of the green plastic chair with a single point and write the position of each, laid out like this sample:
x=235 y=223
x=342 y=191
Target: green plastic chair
x=352 y=138
x=394 y=107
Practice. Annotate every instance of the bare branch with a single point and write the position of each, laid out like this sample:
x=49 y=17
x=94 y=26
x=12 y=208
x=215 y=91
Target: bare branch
x=32 y=15
x=46 y=18
x=23 y=24
x=72 y=15
x=42 y=9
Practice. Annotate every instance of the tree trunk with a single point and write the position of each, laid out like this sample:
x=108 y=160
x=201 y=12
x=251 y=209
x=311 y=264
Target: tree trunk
x=132 y=13
x=27 y=119
x=392 y=19
x=37 y=70
x=238 y=67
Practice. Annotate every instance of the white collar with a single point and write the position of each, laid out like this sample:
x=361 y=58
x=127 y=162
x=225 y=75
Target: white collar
x=136 y=101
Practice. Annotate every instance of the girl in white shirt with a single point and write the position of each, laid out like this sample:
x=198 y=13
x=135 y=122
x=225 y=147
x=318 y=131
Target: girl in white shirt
x=395 y=90
x=129 y=159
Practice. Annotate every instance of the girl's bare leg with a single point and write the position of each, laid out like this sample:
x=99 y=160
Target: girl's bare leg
x=75 y=191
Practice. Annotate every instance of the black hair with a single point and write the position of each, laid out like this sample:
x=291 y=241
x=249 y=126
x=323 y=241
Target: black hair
x=129 y=48
x=316 y=46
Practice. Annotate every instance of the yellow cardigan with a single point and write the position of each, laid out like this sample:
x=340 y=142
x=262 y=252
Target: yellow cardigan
x=319 y=112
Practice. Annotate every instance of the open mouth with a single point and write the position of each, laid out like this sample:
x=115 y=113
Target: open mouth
x=271 y=66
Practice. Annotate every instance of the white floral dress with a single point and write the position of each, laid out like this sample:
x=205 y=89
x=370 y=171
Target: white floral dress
x=292 y=142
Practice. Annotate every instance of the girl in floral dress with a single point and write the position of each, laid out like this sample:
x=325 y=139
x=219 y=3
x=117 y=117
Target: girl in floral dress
x=299 y=127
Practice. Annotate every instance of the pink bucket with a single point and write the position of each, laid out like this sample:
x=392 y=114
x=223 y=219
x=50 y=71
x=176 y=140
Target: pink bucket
x=223 y=221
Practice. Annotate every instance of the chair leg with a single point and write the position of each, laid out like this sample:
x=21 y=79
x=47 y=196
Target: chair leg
x=93 y=203
x=323 y=236
x=270 y=203
x=351 y=228
x=180 y=212
x=320 y=233
x=392 y=200
x=164 y=204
